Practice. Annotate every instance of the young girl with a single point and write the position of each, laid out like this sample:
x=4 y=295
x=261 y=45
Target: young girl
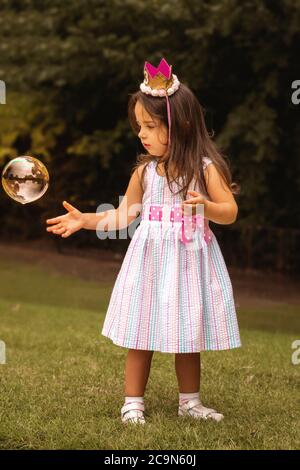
x=173 y=292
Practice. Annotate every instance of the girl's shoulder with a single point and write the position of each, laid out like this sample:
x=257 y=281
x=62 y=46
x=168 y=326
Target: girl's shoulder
x=143 y=171
x=148 y=163
x=144 y=165
x=206 y=161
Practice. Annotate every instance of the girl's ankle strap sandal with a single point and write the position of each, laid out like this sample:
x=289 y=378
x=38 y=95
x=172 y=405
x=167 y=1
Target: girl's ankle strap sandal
x=133 y=412
x=195 y=408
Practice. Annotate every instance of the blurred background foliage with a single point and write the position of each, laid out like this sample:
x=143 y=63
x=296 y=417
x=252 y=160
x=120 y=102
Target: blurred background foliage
x=69 y=68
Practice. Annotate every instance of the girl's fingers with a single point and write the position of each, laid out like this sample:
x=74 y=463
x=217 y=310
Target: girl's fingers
x=66 y=234
x=60 y=231
x=59 y=228
x=191 y=201
x=68 y=206
x=194 y=200
x=53 y=221
x=54 y=228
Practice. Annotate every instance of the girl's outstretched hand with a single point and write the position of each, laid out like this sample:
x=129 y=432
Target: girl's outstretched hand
x=67 y=224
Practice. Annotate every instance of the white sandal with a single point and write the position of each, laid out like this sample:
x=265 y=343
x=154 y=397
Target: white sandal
x=195 y=409
x=133 y=412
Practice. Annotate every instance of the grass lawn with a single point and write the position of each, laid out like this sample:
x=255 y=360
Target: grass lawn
x=62 y=384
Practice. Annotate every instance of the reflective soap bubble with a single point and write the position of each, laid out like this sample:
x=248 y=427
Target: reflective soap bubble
x=25 y=179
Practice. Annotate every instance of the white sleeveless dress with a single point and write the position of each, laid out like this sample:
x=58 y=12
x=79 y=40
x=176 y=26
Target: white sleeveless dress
x=167 y=298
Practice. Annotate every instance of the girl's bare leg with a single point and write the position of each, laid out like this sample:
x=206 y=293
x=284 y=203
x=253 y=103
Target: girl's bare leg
x=137 y=369
x=188 y=369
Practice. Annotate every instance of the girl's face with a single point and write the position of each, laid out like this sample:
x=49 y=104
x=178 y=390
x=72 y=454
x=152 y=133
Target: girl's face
x=152 y=132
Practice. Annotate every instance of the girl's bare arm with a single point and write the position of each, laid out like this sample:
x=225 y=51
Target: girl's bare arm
x=113 y=219
x=222 y=209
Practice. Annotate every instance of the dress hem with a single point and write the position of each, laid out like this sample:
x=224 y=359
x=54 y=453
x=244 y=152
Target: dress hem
x=237 y=345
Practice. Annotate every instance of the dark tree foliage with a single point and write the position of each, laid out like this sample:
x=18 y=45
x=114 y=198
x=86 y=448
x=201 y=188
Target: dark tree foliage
x=70 y=66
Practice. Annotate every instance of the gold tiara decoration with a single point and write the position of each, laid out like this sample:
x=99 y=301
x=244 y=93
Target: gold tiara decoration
x=159 y=81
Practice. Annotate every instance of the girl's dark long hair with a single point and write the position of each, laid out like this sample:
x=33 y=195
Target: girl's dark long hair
x=190 y=140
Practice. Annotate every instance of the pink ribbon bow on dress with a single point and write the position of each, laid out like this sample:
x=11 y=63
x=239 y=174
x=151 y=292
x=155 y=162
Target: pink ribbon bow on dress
x=188 y=222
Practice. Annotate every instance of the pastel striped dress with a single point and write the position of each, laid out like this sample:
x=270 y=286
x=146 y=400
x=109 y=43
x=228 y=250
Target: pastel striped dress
x=167 y=298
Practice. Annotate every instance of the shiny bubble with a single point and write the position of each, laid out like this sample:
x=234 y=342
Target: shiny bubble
x=25 y=179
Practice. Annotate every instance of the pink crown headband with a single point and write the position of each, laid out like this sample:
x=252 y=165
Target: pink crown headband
x=160 y=81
